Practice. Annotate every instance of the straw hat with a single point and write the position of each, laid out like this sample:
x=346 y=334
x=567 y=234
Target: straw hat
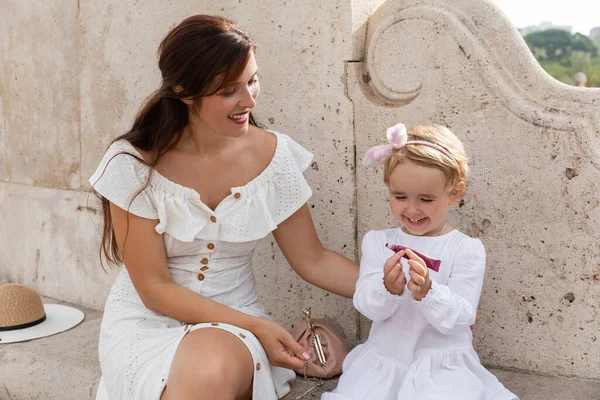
x=23 y=316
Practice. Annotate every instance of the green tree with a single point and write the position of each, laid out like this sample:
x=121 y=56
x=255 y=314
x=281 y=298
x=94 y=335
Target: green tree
x=562 y=55
x=558 y=71
x=555 y=42
x=579 y=61
x=584 y=44
x=593 y=73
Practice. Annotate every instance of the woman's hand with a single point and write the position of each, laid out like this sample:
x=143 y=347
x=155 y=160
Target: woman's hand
x=280 y=346
x=420 y=283
x=393 y=276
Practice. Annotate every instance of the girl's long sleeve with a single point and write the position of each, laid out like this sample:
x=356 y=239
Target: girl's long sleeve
x=371 y=298
x=454 y=306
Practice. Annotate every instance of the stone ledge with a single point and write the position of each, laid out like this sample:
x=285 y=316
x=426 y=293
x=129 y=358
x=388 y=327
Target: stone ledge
x=65 y=366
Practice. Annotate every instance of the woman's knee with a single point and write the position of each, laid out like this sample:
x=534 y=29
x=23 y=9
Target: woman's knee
x=211 y=360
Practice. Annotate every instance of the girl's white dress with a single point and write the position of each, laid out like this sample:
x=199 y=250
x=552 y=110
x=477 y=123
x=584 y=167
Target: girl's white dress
x=209 y=252
x=419 y=350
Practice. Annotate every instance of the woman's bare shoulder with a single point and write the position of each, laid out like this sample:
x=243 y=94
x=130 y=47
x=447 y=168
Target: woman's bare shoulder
x=262 y=141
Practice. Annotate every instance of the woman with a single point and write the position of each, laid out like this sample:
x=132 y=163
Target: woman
x=186 y=194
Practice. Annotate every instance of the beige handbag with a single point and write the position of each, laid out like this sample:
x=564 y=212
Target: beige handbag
x=329 y=348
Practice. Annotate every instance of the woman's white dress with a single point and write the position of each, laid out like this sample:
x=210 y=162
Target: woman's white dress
x=209 y=252
x=419 y=350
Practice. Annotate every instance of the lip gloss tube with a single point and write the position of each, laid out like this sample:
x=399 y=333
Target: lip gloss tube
x=431 y=263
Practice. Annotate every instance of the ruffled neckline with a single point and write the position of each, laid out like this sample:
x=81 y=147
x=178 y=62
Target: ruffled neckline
x=162 y=183
x=248 y=213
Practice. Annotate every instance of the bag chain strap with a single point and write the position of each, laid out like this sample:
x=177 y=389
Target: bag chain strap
x=315 y=343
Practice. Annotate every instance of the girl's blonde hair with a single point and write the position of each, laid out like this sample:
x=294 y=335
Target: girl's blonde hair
x=454 y=168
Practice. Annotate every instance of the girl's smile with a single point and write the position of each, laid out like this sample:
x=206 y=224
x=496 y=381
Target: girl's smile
x=419 y=198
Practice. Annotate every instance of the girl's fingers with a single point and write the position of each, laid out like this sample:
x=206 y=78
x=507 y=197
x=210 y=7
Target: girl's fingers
x=413 y=276
x=411 y=255
x=419 y=268
x=392 y=275
x=400 y=279
x=390 y=263
x=413 y=287
x=395 y=273
x=416 y=278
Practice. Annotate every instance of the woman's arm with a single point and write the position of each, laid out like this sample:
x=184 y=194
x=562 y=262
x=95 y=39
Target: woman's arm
x=298 y=240
x=145 y=258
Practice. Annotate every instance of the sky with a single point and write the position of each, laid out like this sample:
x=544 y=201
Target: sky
x=582 y=15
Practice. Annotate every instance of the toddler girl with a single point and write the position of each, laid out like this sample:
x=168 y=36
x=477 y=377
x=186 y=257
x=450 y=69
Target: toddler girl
x=420 y=344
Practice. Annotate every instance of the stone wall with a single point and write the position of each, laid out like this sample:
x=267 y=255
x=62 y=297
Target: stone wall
x=534 y=196
x=74 y=74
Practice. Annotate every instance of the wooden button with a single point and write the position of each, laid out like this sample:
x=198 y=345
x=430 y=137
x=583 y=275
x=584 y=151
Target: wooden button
x=242 y=336
x=210 y=246
x=237 y=195
x=204 y=261
x=203 y=269
x=213 y=218
x=201 y=277
x=215 y=324
x=258 y=366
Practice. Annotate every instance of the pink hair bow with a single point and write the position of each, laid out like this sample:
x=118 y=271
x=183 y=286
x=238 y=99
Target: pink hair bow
x=397 y=136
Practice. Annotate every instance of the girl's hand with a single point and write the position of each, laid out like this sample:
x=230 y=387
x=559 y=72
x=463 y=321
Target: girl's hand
x=393 y=276
x=280 y=346
x=419 y=283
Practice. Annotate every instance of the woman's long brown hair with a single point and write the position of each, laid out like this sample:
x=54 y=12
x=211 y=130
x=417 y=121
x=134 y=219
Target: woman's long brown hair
x=200 y=56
